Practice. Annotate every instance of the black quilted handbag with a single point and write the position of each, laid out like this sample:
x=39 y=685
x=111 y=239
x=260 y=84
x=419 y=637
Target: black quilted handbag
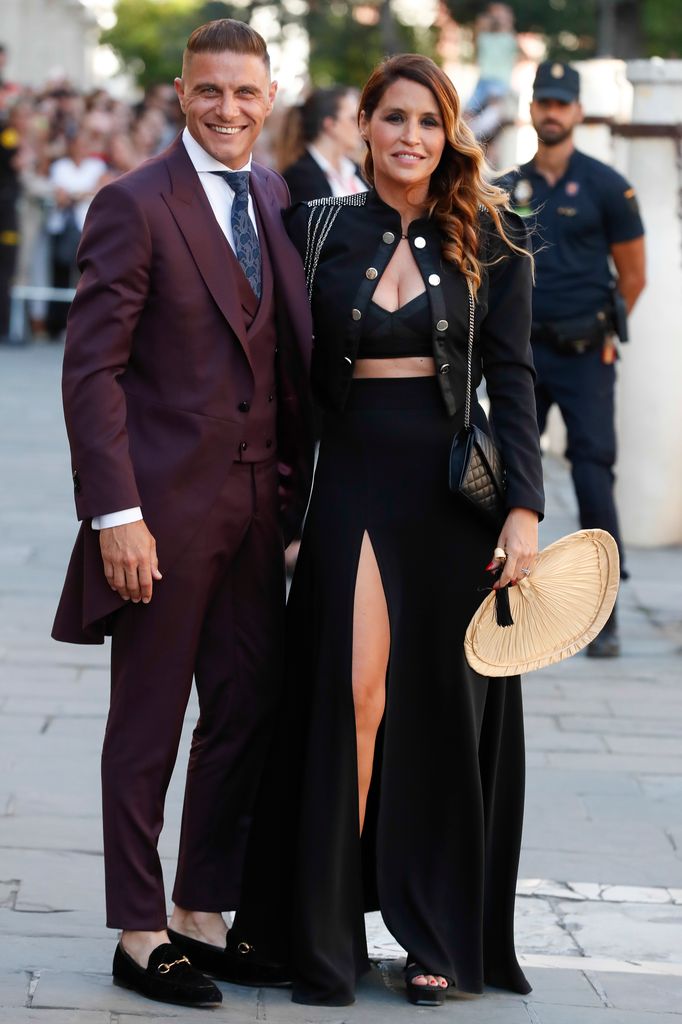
x=476 y=470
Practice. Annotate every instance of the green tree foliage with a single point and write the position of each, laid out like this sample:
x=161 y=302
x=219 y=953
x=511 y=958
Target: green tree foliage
x=343 y=49
x=572 y=27
x=149 y=35
x=662 y=28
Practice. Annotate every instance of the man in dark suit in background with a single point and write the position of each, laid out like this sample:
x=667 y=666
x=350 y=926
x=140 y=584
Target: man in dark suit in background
x=185 y=396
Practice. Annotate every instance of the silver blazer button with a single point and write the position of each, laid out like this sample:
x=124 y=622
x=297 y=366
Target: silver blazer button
x=371 y=273
x=419 y=242
x=445 y=368
x=388 y=237
x=434 y=279
x=356 y=314
x=442 y=325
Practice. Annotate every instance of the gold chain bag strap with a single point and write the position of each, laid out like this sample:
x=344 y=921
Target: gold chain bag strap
x=476 y=470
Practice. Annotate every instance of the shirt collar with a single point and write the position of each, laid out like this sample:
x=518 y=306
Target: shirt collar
x=347 y=166
x=202 y=161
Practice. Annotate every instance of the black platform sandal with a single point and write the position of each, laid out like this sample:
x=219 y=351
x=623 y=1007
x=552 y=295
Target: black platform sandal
x=424 y=995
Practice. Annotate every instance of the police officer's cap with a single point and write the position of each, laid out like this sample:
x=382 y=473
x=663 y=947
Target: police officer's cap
x=556 y=81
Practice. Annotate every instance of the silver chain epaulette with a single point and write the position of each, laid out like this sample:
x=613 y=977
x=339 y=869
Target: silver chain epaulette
x=322 y=214
x=470 y=353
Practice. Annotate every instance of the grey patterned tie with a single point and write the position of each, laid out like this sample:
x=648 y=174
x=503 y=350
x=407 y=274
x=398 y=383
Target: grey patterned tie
x=246 y=244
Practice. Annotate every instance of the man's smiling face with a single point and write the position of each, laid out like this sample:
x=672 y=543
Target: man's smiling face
x=226 y=98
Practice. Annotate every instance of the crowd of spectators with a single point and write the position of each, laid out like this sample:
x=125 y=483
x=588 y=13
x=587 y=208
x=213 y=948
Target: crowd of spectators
x=58 y=146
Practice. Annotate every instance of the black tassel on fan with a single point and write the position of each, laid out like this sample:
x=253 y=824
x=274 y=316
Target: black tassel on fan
x=503 y=613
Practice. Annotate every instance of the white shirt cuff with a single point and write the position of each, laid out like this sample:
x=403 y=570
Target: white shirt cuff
x=126 y=515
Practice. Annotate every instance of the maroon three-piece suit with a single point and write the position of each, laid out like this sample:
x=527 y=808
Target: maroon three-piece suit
x=187 y=396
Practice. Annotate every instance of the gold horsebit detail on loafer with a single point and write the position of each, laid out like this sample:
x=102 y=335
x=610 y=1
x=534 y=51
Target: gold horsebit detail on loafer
x=165 y=968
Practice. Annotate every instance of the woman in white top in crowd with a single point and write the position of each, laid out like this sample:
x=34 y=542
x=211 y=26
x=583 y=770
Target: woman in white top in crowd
x=319 y=145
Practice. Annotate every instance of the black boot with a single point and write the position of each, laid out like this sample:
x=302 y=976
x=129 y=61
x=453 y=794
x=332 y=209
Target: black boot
x=607 y=643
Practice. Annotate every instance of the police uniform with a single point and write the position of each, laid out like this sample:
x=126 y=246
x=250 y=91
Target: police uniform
x=574 y=223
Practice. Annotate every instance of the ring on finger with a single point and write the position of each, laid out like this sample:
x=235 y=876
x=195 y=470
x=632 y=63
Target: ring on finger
x=526 y=572
x=500 y=555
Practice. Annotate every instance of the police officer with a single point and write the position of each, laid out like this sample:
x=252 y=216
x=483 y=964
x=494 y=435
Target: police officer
x=585 y=221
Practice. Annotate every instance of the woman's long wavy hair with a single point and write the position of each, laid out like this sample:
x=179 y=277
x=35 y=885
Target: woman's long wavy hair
x=458 y=189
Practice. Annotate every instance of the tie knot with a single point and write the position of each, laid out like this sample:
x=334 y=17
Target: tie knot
x=237 y=180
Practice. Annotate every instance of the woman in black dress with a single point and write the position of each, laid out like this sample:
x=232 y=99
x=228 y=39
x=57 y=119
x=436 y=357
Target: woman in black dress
x=397 y=782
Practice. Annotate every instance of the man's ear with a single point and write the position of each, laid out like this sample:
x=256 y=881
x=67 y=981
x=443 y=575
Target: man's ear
x=272 y=92
x=580 y=114
x=180 y=90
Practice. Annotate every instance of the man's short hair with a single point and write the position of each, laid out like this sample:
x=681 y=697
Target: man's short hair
x=227 y=34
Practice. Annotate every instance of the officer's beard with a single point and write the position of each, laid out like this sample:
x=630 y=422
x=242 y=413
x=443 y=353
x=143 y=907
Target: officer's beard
x=550 y=137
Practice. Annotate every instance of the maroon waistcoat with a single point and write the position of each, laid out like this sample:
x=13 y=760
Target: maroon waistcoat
x=258 y=437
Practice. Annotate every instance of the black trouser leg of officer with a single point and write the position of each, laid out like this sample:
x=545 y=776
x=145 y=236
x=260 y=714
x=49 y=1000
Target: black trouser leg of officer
x=584 y=389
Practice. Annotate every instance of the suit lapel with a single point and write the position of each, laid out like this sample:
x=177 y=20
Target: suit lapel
x=192 y=213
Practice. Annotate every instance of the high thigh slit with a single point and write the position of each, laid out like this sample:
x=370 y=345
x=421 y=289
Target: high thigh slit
x=439 y=850
x=371 y=643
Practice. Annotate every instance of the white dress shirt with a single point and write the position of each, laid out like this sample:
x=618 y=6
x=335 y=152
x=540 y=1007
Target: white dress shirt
x=345 y=182
x=76 y=179
x=221 y=197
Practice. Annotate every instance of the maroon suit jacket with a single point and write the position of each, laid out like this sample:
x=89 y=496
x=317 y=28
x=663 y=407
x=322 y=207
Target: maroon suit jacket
x=156 y=364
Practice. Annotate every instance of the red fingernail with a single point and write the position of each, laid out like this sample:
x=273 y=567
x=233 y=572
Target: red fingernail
x=513 y=583
x=491 y=565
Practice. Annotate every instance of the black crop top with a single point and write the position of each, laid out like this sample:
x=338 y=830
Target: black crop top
x=405 y=332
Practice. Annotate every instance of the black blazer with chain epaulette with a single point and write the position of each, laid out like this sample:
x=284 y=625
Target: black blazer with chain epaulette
x=347 y=242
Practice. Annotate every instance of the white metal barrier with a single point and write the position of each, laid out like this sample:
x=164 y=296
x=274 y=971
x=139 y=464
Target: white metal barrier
x=23 y=293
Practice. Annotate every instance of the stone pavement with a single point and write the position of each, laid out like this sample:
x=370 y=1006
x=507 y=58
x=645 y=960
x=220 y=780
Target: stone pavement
x=599 y=913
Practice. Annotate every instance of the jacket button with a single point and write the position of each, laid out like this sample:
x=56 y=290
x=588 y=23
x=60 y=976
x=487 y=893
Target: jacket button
x=445 y=368
x=356 y=314
x=243 y=446
x=442 y=325
x=434 y=279
x=419 y=242
x=371 y=273
x=388 y=237
x=243 y=406
x=348 y=360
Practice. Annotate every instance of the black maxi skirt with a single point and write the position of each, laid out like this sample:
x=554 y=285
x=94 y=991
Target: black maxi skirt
x=440 y=847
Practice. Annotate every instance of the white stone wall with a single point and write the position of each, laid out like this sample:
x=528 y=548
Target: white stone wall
x=48 y=37
x=649 y=489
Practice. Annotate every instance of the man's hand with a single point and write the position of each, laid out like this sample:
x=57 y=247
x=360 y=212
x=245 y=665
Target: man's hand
x=130 y=562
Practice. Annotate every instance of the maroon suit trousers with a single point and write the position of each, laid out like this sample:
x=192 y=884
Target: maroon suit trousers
x=217 y=615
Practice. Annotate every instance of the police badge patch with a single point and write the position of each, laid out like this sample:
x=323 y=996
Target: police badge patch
x=631 y=198
x=523 y=192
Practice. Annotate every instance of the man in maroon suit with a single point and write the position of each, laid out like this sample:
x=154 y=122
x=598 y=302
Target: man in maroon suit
x=185 y=396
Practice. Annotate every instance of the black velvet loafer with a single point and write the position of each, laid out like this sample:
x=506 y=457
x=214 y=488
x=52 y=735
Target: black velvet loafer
x=169 y=977
x=240 y=966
